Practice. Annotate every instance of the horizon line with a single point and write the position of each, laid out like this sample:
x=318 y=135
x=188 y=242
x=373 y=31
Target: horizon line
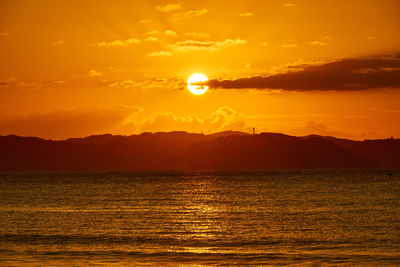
x=238 y=133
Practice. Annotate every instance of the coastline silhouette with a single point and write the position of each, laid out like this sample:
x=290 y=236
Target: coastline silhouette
x=177 y=151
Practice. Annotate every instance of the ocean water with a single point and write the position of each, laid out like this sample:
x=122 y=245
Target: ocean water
x=349 y=217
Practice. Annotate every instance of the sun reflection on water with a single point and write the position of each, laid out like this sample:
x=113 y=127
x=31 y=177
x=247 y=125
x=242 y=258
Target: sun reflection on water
x=203 y=218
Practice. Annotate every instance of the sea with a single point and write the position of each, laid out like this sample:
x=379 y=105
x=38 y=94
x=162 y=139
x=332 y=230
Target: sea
x=268 y=218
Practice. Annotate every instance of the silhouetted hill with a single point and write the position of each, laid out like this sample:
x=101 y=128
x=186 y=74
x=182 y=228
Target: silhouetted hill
x=226 y=133
x=268 y=150
x=383 y=152
x=188 y=151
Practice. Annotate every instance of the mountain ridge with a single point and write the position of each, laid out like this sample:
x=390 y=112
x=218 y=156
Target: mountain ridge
x=180 y=150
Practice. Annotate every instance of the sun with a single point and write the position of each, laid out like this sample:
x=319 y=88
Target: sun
x=197 y=89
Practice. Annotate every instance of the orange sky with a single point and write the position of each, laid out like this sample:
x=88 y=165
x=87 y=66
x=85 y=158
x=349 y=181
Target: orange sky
x=75 y=68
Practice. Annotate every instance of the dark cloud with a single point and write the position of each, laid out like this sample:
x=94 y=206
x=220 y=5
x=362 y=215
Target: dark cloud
x=343 y=75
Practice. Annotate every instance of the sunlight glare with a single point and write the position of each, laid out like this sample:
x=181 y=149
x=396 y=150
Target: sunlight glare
x=197 y=89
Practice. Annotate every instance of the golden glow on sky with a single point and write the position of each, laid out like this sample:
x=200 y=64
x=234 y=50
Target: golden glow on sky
x=122 y=67
x=197 y=89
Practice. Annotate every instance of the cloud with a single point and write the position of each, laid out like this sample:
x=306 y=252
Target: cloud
x=224 y=118
x=85 y=121
x=151 y=39
x=151 y=84
x=170 y=33
x=144 y=21
x=341 y=75
x=289 y=5
x=189 y=14
x=124 y=84
x=94 y=73
x=125 y=43
x=60 y=124
x=323 y=42
x=246 y=14
x=60 y=82
x=197 y=34
x=160 y=54
x=190 y=45
x=14 y=83
x=316 y=128
x=168 y=8
x=289 y=45
x=154 y=32
x=55 y=43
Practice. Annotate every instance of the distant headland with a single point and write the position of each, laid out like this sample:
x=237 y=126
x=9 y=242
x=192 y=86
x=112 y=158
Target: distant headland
x=183 y=151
